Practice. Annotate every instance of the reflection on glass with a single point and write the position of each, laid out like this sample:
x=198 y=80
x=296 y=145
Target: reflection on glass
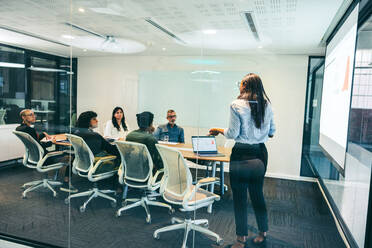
x=43 y=81
x=12 y=84
x=349 y=192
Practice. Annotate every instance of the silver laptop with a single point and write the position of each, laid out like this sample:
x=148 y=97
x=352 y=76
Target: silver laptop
x=205 y=146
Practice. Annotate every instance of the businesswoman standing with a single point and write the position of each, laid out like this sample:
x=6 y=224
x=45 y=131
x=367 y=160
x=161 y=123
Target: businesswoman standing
x=116 y=128
x=251 y=124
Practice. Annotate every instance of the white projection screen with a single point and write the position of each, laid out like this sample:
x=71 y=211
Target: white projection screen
x=337 y=83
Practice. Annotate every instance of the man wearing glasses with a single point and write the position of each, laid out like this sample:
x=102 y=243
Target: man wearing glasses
x=170 y=131
x=28 y=119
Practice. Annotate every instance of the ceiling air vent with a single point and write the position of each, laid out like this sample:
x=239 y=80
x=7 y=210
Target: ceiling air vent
x=164 y=30
x=85 y=30
x=248 y=17
x=18 y=31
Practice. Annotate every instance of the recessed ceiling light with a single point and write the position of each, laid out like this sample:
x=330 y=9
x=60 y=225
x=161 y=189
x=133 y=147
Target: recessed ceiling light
x=260 y=47
x=84 y=50
x=67 y=36
x=163 y=49
x=208 y=72
x=11 y=65
x=209 y=31
x=81 y=10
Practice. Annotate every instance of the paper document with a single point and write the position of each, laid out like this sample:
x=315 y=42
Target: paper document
x=183 y=149
x=167 y=143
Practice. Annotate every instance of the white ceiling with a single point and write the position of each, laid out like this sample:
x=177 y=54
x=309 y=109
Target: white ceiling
x=284 y=26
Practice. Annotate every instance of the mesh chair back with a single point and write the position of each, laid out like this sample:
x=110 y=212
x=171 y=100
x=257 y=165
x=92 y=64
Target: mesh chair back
x=84 y=157
x=34 y=151
x=136 y=161
x=178 y=175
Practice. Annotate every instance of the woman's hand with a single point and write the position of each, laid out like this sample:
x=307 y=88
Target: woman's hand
x=215 y=131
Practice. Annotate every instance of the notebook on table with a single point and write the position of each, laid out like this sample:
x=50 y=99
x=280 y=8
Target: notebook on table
x=205 y=146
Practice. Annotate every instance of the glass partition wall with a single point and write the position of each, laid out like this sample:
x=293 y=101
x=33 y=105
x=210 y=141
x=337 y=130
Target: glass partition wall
x=88 y=70
x=36 y=75
x=349 y=193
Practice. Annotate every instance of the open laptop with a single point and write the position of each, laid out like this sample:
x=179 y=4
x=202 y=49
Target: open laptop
x=205 y=146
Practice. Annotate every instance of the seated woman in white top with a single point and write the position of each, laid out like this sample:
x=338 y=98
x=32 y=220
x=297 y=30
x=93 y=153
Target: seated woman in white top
x=116 y=128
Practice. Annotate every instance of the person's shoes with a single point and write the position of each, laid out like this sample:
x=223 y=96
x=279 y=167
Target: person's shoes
x=68 y=187
x=259 y=243
x=241 y=242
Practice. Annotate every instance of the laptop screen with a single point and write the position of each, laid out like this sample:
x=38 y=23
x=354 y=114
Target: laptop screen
x=204 y=144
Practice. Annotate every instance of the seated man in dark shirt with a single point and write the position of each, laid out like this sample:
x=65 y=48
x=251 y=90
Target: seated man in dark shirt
x=28 y=119
x=144 y=136
x=86 y=122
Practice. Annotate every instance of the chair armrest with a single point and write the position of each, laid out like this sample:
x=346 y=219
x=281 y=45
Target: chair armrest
x=98 y=161
x=158 y=172
x=200 y=183
x=104 y=159
x=50 y=167
x=121 y=174
x=52 y=154
x=207 y=180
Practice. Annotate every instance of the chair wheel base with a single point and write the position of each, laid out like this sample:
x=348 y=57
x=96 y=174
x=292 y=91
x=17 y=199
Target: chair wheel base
x=82 y=209
x=148 y=219
x=67 y=201
x=219 y=241
x=117 y=214
x=113 y=204
x=156 y=236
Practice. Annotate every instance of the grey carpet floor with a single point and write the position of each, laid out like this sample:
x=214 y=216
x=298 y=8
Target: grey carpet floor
x=298 y=217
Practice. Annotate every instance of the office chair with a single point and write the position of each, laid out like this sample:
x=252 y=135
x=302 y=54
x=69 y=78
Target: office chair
x=179 y=190
x=86 y=165
x=136 y=171
x=34 y=158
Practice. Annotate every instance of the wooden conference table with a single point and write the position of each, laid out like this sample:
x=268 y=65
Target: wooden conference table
x=186 y=151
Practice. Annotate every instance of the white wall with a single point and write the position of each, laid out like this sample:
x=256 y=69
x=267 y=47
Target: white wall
x=10 y=146
x=104 y=82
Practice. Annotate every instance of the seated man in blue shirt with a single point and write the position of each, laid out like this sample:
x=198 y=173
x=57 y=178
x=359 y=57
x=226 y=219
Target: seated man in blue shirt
x=170 y=131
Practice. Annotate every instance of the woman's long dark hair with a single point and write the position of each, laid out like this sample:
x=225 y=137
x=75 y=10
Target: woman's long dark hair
x=115 y=123
x=254 y=92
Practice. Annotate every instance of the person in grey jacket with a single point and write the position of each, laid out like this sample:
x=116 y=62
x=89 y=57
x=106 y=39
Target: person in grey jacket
x=170 y=131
